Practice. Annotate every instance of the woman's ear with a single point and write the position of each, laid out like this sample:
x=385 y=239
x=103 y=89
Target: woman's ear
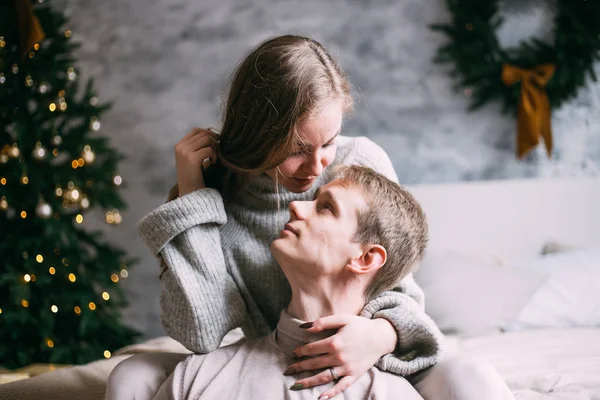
x=372 y=258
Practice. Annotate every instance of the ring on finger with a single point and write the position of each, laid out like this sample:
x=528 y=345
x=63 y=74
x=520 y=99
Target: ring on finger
x=334 y=374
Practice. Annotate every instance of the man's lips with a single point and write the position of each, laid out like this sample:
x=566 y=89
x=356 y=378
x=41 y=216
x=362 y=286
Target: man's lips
x=288 y=227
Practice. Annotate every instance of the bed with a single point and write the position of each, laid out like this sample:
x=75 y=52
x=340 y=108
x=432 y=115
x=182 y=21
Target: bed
x=502 y=227
x=485 y=236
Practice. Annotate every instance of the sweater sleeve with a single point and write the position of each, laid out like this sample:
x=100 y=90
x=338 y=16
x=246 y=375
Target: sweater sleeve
x=199 y=300
x=419 y=338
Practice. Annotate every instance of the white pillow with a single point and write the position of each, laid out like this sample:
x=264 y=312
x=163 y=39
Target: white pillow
x=570 y=296
x=469 y=295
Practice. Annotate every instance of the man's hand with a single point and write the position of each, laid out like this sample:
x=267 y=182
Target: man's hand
x=356 y=347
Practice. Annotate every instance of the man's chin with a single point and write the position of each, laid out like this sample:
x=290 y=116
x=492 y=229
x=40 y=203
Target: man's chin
x=276 y=246
x=280 y=250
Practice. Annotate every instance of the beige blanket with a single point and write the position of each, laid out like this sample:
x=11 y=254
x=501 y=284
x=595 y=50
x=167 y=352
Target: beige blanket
x=552 y=364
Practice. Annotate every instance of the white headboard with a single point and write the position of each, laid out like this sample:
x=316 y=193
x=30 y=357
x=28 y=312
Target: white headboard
x=511 y=217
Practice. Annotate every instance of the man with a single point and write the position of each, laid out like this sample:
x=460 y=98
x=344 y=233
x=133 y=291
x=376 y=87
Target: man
x=359 y=236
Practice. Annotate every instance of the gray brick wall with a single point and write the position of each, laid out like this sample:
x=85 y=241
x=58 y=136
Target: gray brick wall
x=164 y=65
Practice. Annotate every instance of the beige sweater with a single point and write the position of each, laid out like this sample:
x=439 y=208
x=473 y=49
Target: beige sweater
x=221 y=274
x=253 y=369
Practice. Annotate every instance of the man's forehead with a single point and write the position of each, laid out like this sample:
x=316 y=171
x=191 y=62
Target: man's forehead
x=331 y=186
x=343 y=192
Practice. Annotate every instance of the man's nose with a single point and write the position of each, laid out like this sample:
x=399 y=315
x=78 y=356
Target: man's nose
x=298 y=209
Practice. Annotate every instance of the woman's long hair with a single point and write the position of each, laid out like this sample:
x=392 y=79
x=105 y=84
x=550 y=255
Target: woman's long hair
x=284 y=80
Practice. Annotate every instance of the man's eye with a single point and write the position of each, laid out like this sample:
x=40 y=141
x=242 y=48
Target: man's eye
x=328 y=206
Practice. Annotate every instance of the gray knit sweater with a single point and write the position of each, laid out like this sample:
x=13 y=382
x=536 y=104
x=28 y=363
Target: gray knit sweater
x=221 y=275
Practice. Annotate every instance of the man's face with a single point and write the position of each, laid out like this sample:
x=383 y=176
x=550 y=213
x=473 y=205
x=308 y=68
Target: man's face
x=317 y=237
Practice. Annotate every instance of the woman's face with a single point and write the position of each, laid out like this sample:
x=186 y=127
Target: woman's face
x=298 y=172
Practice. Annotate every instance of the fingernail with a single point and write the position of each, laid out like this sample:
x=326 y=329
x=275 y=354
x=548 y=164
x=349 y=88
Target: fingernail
x=289 y=371
x=306 y=325
x=323 y=398
x=297 y=386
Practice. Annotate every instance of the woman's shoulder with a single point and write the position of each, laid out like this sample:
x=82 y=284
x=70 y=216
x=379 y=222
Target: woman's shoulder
x=360 y=150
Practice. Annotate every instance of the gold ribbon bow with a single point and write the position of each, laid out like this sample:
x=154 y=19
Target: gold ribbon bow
x=30 y=30
x=533 y=115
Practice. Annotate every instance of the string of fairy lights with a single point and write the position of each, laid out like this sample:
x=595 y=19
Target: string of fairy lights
x=73 y=197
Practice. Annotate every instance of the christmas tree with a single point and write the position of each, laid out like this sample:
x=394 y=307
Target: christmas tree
x=60 y=297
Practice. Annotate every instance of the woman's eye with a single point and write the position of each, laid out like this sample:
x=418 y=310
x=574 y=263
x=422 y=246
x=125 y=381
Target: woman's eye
x=328 y=207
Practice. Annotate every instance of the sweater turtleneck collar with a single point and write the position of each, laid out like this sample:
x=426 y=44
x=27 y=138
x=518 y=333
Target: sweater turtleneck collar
x=289 y=336
x=260 y=191
x=262 y=188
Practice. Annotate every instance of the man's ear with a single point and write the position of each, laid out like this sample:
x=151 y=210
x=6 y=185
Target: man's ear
x=372 y=258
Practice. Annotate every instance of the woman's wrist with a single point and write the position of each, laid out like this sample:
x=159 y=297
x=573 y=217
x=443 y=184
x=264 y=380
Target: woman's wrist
x=388 y=337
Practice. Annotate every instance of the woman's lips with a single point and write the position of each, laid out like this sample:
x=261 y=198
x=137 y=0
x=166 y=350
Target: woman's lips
x=305 y=181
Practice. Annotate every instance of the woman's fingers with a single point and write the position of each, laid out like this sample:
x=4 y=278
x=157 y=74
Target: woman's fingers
x=336 y=321
x=193 y=154
x=342 y=385
x=323 y=346
x=321 y=378
x=323 y=361
x=189 y=148
x=204 y=153
x=199 y=141
x=196 y=131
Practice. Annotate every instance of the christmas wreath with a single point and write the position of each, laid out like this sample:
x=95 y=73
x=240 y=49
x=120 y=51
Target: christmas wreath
x=531 y=78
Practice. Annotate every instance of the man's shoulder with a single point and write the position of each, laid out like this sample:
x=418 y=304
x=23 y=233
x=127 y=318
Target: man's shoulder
x=243 y=346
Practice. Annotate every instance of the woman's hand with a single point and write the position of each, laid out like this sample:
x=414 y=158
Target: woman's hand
x=356 y=347
x=190 y=154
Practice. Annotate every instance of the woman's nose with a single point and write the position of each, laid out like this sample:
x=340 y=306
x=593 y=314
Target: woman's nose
x=315 y=164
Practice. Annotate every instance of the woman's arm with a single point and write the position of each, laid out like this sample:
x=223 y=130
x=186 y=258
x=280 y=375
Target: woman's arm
x=419 y=340
x=199 y=300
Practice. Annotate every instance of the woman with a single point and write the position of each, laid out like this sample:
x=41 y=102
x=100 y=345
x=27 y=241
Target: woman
x=280 y=133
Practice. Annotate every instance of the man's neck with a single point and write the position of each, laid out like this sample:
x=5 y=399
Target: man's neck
x=322 y=299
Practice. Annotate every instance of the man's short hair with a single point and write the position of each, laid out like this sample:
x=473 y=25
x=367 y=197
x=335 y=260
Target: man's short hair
x=393 y=219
